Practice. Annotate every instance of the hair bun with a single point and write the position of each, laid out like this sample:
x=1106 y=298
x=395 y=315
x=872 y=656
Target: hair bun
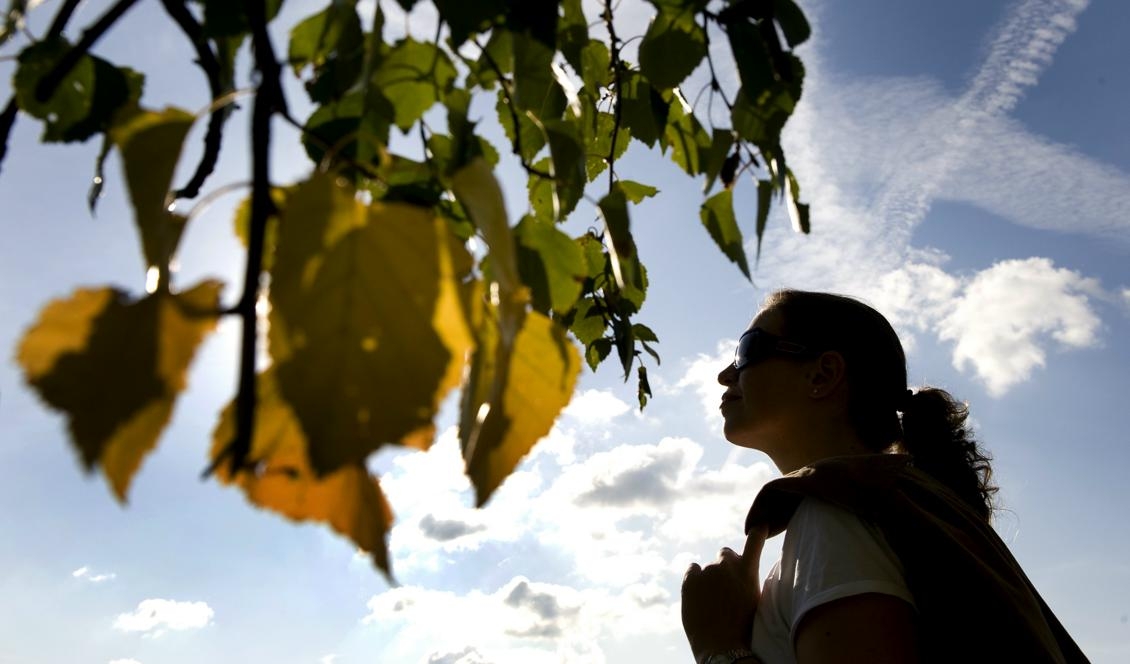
x=904 y=401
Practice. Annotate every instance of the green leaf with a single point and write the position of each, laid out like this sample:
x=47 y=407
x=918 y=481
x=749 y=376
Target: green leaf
x=685 y=136
x=600 y=145
x=764 y=201
x=355 y=127
x=572 y=33
x=551 y=264
x=150 y=144
x=642 y=109
x=636 y=192
x=568 y=155
x=597 y=351
x=114 y=367
x=333 y=43
x=717 y=215
x=755 y=69
x=643 y=391
x=344 y=332
x=716 y=157
x=539 y=190
x=512 y=397
x=672 y=48
x=466 y=18
x=596 y=66
x=535 y=87
x=798 y=212
x=348 y=500
x=621 y=247
x=411 y=78
x=535 y=18
x=476 y=188
x=533 y=139
x=644 y=333
x=792 y=21
x=497 y=53
x=587 y=322
x=760 y=121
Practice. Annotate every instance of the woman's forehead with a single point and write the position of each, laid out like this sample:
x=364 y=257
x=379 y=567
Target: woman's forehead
x=769 y=320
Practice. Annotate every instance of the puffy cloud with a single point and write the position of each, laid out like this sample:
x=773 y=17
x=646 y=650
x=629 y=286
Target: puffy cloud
x=86 y=573
x=153 y=617
x=1009 y=309
x=701 y=376
x=595 y=407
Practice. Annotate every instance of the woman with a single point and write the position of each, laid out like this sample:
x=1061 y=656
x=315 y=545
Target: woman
x=886 y=501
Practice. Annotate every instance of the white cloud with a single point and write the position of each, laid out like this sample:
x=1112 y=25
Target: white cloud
x=327 y=659
x=85 y=573
x=1011 y=307
x=701 y=376
x=153 y=617
x=521 y=621
x=595 y=407
x=124 y=661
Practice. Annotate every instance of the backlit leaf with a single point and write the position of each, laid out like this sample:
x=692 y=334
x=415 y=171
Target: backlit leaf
x=551 y=264
x=685 y=136
x=568 y=156
x=572 y=33
x=595 y=65
x=798 y=212
x=362 y=297
x=636 y=191
x=535 y=87
x=672 y=48
x=349 y=499
x=512 y=397
x=411 y=78
x=642 y=109
x=717 y=215
x=332 y=42
x=114 y=367
x=792 y=21
x=764 y=201
x=716 y=157
x=465 y=18
x=150 y=144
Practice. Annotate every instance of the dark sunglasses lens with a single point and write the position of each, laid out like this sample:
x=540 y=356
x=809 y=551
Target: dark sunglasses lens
x=747 y=349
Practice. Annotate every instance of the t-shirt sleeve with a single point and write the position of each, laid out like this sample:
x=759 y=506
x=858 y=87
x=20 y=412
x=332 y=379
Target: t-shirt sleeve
x=835 y=554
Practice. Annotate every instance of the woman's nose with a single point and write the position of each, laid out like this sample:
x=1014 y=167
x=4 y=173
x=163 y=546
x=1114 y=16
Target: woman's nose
x=727 y=375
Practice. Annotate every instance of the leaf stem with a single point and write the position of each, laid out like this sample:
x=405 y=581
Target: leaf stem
x=504 y=84
x=207 y=61
x=51 y=81
x=614 y=44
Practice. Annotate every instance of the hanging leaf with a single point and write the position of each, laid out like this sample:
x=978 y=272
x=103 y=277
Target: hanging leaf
x=600 y=144
x=411 y=78
x=568 y=156
x=717 y=215
x=792 y=21
x=349 y=500
x=345 y=329
x=573 y=33
x=635 y=191
x=596 y=66
x=642 y=109
x=333 y=44
x=464 y=19
x=672 y=48
x=764 y=201
x=150 y=145
x=114 y=367
x=512 y=397
x=685 y=136
x=716 y=159
x=550 y=263
x=798 y=212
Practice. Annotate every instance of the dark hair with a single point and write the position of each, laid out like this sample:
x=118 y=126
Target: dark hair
x=932 y=429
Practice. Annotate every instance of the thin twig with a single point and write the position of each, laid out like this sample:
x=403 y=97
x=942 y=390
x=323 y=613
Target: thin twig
x=504 y=84
x=51 y=81
x=614 y=48
x=59 y=23
x=207 y=61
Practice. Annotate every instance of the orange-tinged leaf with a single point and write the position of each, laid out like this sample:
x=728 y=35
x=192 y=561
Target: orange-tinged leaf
x=114 y=367
x=504 y=412
x=349 y=499
x=367 y=328
x=150 y=144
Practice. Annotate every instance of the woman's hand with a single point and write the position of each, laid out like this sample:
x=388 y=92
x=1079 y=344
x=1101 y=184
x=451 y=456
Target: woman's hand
x=719 y=600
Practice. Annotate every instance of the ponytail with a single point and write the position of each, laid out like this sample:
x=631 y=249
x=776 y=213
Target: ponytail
x=935 y=434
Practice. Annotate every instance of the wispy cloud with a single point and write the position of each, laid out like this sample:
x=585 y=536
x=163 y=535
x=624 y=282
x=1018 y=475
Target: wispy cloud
x=86 y=573
x=153 y=617
x=874 y=156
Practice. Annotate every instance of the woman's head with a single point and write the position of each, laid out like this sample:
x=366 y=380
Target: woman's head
x=830 y=360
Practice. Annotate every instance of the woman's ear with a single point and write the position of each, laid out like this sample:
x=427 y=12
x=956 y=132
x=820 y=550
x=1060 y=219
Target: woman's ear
x=827 y=373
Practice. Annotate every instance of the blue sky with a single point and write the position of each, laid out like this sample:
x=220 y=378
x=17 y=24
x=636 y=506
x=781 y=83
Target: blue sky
x=968 y=166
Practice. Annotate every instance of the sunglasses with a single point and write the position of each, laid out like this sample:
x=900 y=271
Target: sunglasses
x=757 y=344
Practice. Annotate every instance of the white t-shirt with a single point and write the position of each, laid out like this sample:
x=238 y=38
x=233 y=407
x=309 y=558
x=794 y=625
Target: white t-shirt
x=828 y=554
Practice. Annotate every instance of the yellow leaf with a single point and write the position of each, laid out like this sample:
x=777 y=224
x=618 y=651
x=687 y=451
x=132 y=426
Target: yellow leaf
x=150 y=144
x=114 y=368
x=349 y=499
x=504 y=412
x=367 y=328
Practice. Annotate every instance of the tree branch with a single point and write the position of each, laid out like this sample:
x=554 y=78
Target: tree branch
x=269 y=100
x=614 y=48
x=211 y=66
x=59 y=23
x=51 y=81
